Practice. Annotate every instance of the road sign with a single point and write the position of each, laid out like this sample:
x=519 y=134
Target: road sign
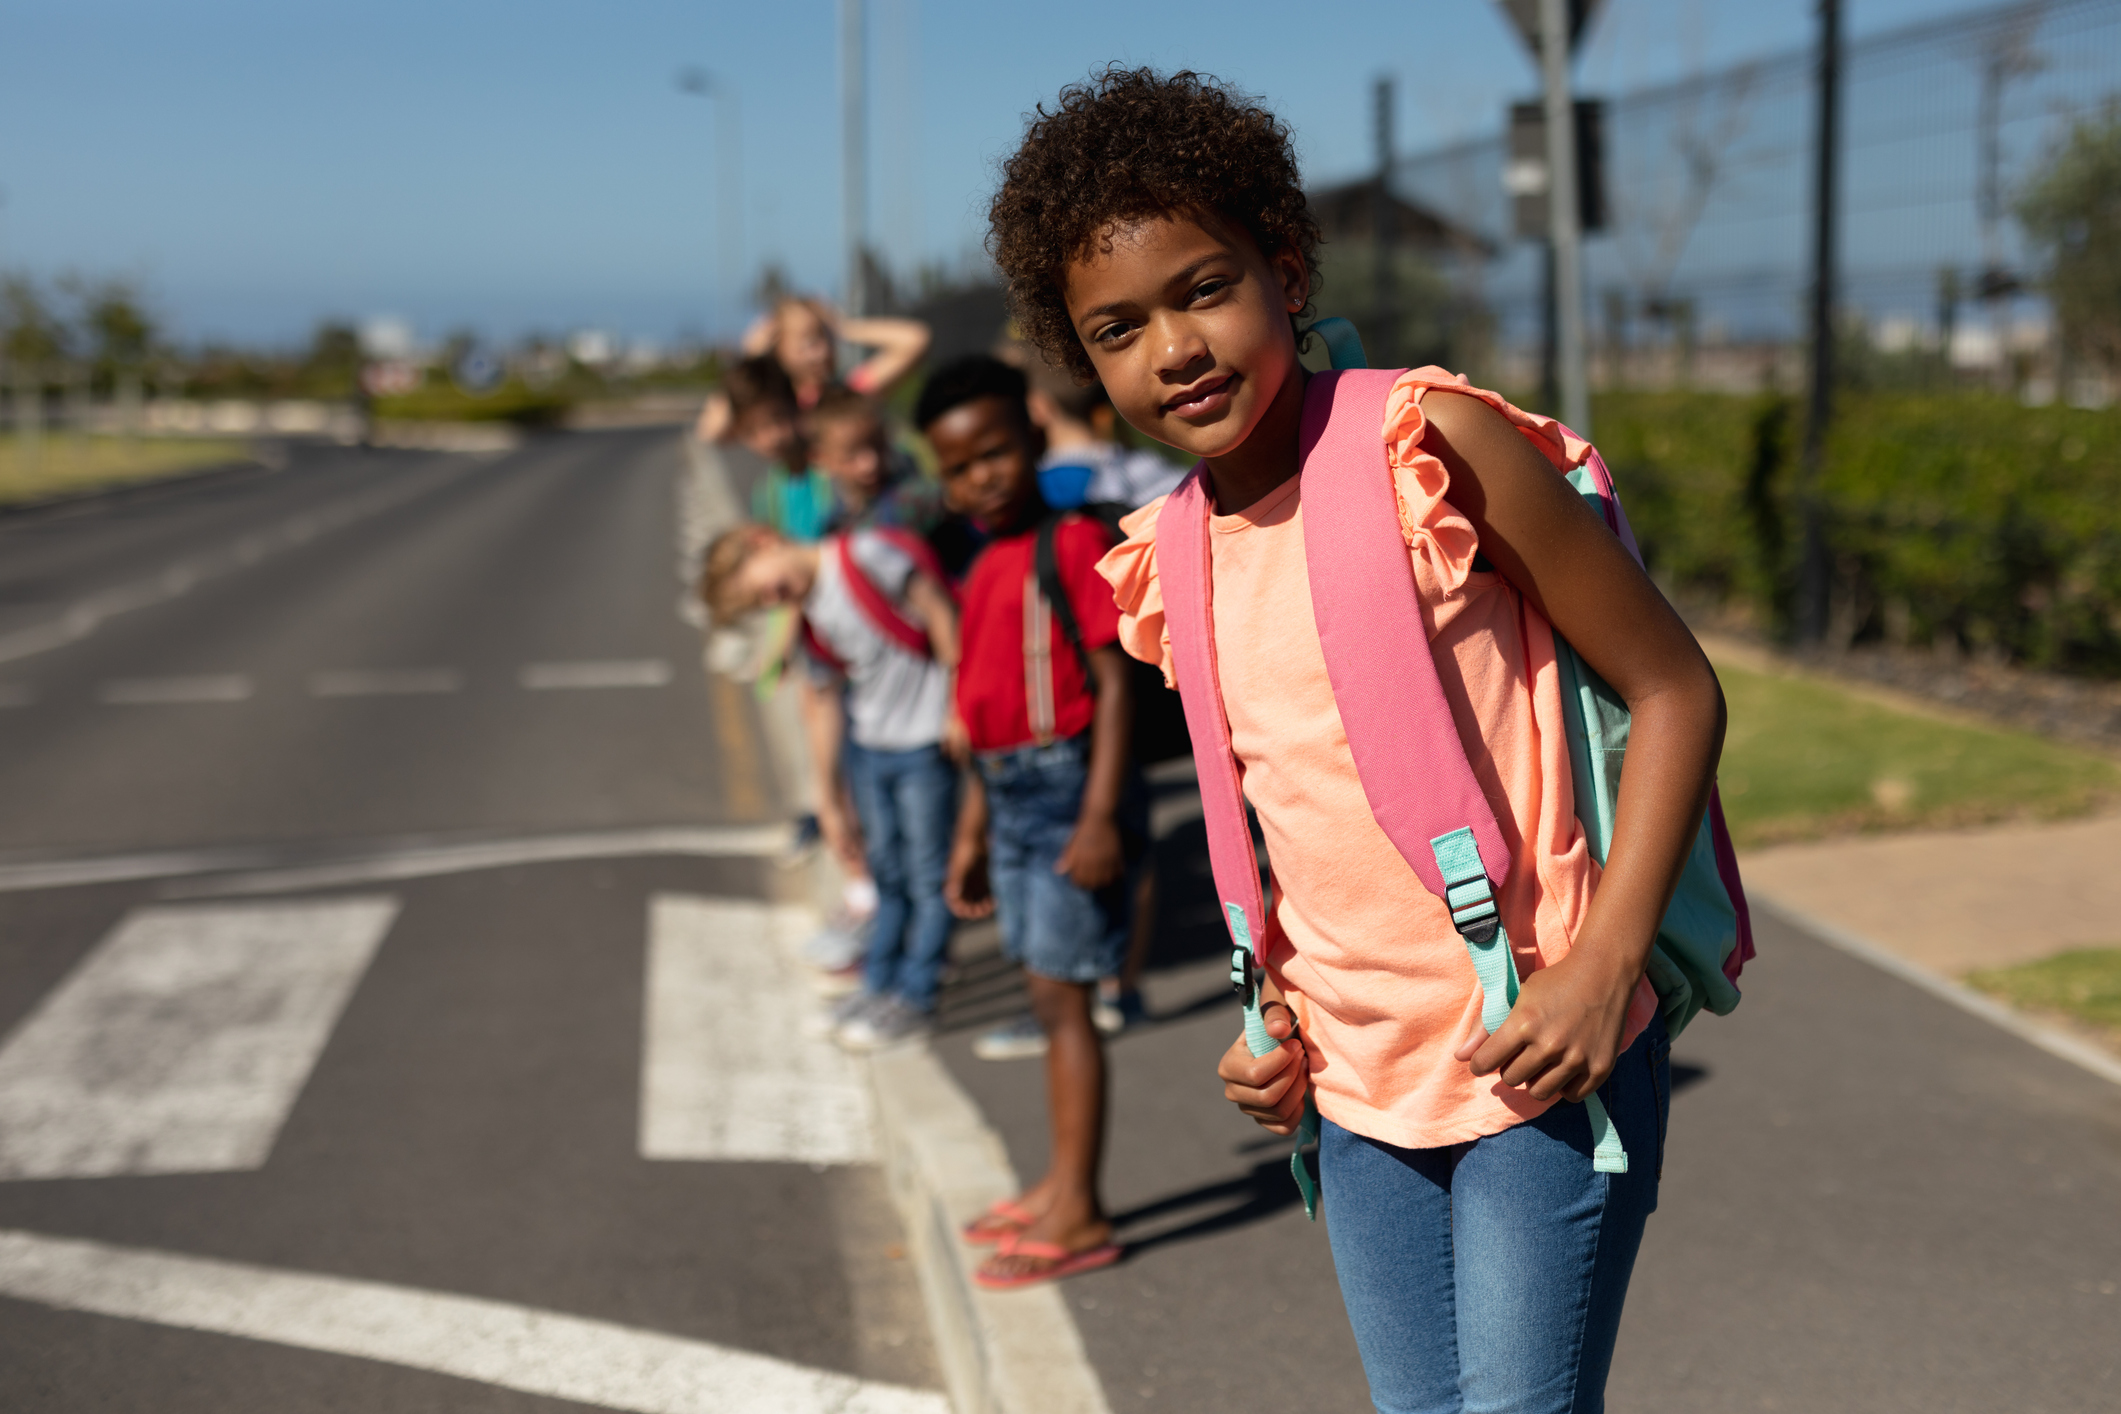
x=1524 y=174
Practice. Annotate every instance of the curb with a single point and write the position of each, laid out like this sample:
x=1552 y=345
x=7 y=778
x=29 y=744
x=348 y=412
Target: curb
x=1012 y=1352
x=1015 y=1352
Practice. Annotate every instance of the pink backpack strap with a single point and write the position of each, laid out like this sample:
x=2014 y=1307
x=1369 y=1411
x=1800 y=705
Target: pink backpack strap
x=1405 y=741
x=876 y=606
x=1183 y=572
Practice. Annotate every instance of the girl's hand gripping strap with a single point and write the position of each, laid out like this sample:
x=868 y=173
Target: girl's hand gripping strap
x=1473 y=912
x=1244 y=976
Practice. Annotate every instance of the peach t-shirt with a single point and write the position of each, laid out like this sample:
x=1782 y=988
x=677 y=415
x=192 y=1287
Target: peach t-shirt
x=1380 y=981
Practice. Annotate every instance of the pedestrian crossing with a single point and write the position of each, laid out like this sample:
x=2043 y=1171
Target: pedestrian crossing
x=180 y=1043
x=183 y=1039
x=727 y=1070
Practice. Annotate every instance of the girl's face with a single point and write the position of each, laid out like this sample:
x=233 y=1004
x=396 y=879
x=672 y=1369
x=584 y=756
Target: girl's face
x=776 y=572
x=804 y=344
x=1187 y=325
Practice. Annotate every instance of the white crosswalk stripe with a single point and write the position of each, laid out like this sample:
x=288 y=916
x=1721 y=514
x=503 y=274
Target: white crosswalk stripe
x=181 y=1042
x=726 y=1070
x=513 y=1347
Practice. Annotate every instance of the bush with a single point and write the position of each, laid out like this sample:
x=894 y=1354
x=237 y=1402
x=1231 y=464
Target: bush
x=1963 y=518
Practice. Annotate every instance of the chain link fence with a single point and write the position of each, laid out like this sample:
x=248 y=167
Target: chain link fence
x=1701 y=272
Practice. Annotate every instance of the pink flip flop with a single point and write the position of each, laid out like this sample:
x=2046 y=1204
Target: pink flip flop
x=1064 y=1263
x=999 y=1223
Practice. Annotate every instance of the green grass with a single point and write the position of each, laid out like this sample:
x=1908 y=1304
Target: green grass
x=1804 y=759
x=63 y=463
x=2085 y=985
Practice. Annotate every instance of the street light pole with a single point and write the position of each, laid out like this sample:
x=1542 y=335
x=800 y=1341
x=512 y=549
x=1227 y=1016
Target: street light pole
x=729 y=180
x=1812 y=570
x=854 y=149
x=1564 y=215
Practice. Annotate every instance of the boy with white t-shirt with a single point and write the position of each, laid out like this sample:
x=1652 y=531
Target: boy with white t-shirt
x=880 y=636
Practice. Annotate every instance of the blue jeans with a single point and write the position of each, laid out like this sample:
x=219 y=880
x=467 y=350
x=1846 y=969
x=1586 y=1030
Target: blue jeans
x=1488 y=1276
x=1056 y=930
x=907 y=801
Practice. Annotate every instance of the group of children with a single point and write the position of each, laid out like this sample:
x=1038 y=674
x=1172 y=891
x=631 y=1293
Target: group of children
x=985 y=747
x=1155 y=241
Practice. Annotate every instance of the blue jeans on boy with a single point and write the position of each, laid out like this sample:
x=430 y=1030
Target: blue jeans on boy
x=907 y=801
x=1052 y=927
x=1489 y=1275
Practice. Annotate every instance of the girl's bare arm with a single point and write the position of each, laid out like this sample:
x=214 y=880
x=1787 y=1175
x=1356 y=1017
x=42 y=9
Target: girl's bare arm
x=1563 y=1035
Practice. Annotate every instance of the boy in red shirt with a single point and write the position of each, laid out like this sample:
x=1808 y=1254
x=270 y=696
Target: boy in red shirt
x=1054 y=813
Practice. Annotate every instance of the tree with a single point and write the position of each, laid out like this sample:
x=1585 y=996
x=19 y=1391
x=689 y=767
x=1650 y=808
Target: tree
x=2071 y=211
x=32 y=336
x=119 y=331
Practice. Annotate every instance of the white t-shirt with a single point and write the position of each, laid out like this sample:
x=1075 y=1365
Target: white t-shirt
x=1130 y=476
x=896 y=698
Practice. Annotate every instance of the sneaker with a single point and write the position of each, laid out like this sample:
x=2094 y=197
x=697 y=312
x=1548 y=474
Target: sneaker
x=1118 y=1013
x=1018 y=1038
x=828 y=1021
x=886 y=1024
x=840 y=943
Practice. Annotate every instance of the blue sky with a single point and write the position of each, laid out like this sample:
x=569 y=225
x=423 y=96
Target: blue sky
x=532 y=165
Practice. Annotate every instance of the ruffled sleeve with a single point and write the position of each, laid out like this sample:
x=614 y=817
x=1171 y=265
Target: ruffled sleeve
x=1442 y=539
x=1130 y=568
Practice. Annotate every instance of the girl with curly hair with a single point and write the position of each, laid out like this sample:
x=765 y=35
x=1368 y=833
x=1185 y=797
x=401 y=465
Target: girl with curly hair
x=1153 y=233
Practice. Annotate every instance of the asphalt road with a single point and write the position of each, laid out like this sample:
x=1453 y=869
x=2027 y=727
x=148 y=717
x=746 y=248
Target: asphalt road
x=1871 y=1201
x=369 y=654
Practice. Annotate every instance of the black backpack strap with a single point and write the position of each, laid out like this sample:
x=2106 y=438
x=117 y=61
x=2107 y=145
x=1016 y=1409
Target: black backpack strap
x=1047 y=562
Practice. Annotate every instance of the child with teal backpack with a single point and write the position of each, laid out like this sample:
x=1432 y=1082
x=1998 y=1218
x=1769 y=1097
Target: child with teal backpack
x=1409 y=630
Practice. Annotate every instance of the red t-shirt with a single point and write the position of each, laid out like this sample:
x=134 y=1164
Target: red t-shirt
x=996 y=681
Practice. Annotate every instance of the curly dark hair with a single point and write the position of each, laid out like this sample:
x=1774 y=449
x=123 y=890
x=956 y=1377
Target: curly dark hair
x=1130 y=144
x=967 y=380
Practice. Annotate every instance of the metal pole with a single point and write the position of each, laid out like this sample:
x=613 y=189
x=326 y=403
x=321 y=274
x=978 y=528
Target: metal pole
x=1812 y=572
x=1384 y=338
x=1564 y=215
x=854 y=154
x=731 y=154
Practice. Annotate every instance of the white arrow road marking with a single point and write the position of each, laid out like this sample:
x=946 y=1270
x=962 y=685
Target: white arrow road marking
x=493 y=1342
x=726 y=1069
x=196 y=687
x=180 y=1043
x=625 y=672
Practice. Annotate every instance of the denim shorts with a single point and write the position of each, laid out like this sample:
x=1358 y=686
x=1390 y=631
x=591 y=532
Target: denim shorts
x=1052 y=927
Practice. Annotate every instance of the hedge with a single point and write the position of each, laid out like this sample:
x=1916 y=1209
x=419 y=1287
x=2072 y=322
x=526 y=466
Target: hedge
x=1963 y=518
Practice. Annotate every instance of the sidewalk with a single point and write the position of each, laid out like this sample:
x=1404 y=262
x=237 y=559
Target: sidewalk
x=1957 y=900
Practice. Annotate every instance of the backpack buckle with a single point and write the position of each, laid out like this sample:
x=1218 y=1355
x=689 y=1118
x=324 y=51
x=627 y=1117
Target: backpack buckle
x=1242 y=978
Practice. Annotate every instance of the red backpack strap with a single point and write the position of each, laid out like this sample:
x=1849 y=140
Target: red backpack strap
x=1407 y=750
x=876 y=606
x=815 y=646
